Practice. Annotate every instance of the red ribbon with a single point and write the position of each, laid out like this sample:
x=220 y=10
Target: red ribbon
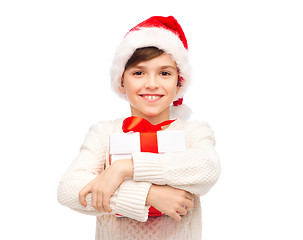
x=148 y=140
x=138 y=124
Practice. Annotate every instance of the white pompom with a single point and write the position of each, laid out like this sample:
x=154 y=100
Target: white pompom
x=182 y=111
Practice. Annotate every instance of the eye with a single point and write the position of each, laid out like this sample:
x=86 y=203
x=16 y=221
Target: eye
x=164 y=73
x=138 y=73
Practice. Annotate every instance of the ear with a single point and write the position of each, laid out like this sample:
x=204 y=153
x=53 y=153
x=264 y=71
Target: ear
x=122 y=88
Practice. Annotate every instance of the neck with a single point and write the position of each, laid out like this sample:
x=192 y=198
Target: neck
x=154 y=119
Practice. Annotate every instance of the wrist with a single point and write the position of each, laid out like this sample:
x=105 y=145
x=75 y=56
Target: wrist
x=129 y=168
x=126 y=167
x=150 y=195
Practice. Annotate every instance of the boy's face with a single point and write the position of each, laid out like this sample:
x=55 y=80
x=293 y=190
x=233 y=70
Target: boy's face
x=150 y=87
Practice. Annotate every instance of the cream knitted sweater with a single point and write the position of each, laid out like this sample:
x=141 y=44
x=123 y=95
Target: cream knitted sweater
x=195 y=170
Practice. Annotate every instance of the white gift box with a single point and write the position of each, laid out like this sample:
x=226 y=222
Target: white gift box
x=122 y=145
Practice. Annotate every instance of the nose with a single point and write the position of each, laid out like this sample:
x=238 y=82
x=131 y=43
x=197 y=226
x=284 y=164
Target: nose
x=152 y=82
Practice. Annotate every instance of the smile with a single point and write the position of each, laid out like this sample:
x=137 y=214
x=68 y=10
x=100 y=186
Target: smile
x=151 y=98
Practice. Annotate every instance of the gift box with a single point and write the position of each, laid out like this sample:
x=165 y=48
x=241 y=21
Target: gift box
x=122 y=145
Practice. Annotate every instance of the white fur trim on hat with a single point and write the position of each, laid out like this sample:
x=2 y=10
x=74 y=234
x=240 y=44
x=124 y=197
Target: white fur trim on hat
x=150 y=37
x=183 y=111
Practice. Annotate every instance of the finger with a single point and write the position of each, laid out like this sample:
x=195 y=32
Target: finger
x=106 y=205
x=82 y=196
x=189 y=196
x=188 y=204
x=182 y=210
x=175 y=216
x=94 y=200
x=100 y=201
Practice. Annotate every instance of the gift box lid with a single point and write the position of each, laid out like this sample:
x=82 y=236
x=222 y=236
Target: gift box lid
x=127 y=143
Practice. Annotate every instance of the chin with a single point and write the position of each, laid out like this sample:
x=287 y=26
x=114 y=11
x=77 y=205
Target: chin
x=151 y=114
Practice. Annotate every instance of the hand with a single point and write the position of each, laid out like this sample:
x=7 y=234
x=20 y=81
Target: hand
x=105 y=184
x=171 y=201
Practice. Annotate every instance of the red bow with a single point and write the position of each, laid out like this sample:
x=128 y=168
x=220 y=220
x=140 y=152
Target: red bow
x=138 y=124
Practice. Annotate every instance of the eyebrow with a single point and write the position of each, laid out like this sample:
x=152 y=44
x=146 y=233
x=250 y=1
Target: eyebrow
x=168 y=66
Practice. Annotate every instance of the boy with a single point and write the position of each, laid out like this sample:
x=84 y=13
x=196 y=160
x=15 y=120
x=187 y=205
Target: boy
x=150 y=70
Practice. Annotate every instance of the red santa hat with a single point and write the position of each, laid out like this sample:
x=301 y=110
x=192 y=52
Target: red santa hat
x=164 y=33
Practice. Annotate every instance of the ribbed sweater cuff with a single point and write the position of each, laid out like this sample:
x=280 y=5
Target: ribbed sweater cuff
x=148 y=168
x=131 y=199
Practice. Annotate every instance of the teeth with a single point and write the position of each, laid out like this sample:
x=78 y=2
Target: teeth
x=149 y=97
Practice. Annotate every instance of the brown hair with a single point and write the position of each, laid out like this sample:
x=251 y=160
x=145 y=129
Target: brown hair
x=145 y=54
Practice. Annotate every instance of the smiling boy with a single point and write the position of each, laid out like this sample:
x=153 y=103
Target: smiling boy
x=151 y=71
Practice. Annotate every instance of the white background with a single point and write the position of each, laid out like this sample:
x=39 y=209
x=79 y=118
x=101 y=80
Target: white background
x=247 y=60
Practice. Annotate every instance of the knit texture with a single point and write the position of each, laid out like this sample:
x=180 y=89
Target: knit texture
x=195 y=170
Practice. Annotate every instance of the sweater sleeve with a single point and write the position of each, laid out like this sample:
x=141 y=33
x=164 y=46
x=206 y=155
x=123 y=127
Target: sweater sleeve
x=128 y=200
x=195 y=170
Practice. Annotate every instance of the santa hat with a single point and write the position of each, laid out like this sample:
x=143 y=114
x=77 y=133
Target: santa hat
x=166 y=34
